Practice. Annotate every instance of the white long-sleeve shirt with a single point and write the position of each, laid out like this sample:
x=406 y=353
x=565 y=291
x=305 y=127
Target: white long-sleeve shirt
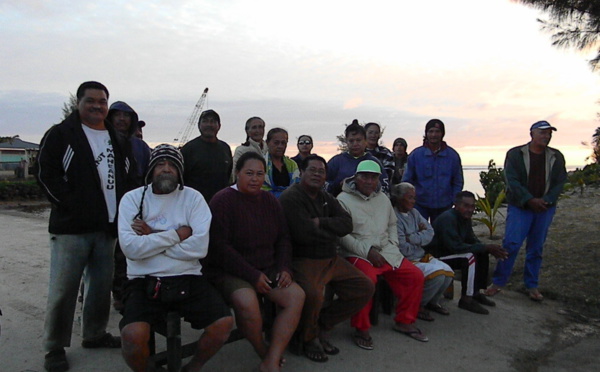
x=162 y=253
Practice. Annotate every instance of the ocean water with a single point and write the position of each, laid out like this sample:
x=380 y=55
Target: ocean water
x=471 y=176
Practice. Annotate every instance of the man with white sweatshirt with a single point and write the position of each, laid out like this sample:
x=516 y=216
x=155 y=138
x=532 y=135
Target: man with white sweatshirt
x=163 y=230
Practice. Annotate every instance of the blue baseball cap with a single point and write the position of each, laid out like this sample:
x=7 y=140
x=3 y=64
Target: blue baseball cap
x=542 y=125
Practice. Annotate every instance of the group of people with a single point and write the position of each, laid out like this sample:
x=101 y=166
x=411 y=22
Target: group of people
x=203 y=231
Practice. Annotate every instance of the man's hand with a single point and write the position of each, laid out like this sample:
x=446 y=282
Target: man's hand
x=262 y=285
x=141 y=227
x=422 y=226
x=315 y=221
x=496 y=251
x=375 y=257
x=284 y=279
x=537 y=204
x=184 y=232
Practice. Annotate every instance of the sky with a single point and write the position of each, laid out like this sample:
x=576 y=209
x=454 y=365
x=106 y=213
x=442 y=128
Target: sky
x=483 y=67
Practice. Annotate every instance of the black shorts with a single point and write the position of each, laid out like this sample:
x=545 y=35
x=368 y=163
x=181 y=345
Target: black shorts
x=203 y=307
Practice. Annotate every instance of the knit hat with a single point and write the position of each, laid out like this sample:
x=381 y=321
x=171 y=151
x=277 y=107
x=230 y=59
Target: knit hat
x=165 y=151
x=368 y=166
x=400 y=141
x=435 y=123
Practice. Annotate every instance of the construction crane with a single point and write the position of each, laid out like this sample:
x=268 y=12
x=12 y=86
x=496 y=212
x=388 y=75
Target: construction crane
x=192 y=122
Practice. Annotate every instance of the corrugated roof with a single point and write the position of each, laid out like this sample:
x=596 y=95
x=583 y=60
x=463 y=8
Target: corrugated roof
x=17 y=143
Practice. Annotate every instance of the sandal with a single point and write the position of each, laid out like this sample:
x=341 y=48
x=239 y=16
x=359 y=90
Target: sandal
x=314 y=351
x=535 y=295
x=414 y=333
x=437 y=308
x=425 y=315
x=328 y=348
x=363 y=342
x=492 y=290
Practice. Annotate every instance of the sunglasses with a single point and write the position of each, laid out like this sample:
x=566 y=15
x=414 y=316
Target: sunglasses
x=306 y=142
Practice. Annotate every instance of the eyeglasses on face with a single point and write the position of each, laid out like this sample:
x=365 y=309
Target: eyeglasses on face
x=305 y=142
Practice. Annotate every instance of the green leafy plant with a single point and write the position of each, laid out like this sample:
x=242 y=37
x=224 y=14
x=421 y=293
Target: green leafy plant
x=492 y=181
x=490 y=210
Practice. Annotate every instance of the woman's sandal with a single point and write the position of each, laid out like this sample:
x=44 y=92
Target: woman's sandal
x=363 y=342
x=328 y=348
x=314 y=351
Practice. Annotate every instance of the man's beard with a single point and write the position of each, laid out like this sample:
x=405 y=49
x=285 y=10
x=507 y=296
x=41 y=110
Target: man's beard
x=164 y=183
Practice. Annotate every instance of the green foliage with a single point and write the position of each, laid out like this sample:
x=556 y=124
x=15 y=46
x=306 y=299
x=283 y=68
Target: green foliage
x=490 y=210
x=580 y=178
x=11 y=190
x=70 y=106
x=492 y=181
x=573 y=24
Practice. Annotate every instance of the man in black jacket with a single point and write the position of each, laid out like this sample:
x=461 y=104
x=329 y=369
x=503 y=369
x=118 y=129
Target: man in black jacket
x=84 y=169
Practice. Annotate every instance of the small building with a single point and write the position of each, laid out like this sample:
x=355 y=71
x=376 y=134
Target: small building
x=17 y=156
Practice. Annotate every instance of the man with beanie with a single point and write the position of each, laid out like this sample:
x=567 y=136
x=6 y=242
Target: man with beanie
x=535 y=175
x=435 y=170
x=372 y=247
x=208 y=161
x=83 y=168
x=163 y=230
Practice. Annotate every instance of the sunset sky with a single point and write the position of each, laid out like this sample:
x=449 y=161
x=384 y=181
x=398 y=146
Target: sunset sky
x=482 y=67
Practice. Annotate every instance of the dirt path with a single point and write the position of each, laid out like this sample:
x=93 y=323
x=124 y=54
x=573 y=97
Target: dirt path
x=518 y=335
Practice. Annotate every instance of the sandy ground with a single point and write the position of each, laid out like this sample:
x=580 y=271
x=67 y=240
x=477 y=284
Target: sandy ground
x=518 y=335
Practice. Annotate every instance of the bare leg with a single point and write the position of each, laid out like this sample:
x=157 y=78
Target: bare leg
x=290 y=300
x=211 y=341
x=135 y=350
x=248 y=318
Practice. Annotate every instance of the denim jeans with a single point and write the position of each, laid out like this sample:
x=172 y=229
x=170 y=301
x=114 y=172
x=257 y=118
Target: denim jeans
x=520 y=224
x=71 y=256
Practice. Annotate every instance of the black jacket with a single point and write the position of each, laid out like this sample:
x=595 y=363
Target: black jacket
x=67 y=173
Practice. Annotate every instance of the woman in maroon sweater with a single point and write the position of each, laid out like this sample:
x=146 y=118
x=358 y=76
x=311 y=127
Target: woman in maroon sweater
x=250 y=253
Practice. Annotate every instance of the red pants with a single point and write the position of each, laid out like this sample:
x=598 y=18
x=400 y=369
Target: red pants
x=407 y=284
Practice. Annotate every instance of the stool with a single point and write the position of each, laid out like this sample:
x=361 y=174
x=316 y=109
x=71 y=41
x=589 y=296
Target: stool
x=383 y=300
x=171 y=329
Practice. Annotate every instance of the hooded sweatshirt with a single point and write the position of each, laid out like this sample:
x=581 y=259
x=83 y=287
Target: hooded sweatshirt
x=374 y=224
x=141 y=150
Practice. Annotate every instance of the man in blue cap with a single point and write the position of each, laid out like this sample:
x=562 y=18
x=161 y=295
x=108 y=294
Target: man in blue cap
x=535 y=174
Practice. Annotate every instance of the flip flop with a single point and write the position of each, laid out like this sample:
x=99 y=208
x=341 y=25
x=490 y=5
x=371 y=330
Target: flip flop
x=425 y=315
x=535 y=295
x=314 y=351
x=414 y=334
x=437 y=309
x=492 y=291
x=328 y=348
x=362 y=341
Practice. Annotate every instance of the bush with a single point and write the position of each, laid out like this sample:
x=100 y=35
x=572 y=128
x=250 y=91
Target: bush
x=11 y=190
x=492 y=182
x=588 y=176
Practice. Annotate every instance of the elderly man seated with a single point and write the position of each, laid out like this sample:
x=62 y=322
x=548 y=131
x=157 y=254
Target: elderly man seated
x=163 y=230
x=414 y=232
x=373 y=248
x=455 y=243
